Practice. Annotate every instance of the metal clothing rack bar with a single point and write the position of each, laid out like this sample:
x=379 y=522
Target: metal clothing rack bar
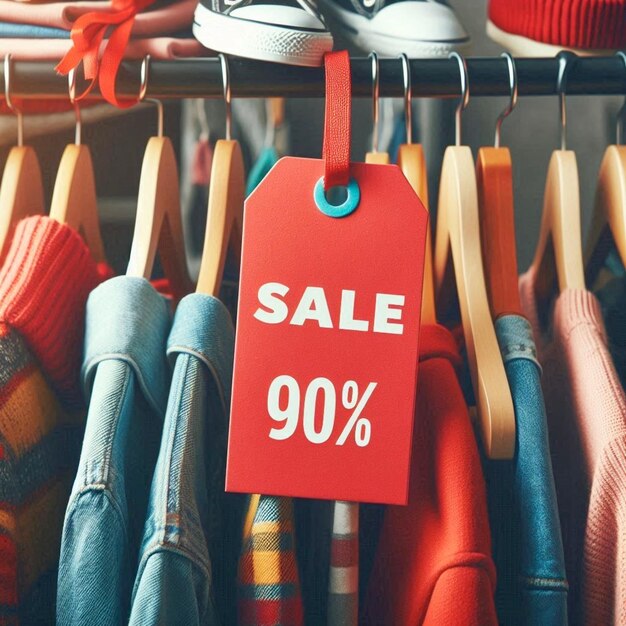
x=434 y=78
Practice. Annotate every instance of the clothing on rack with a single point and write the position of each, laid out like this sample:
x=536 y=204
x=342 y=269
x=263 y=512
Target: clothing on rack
x=524 y=519
x=188 y=561
x=44 y=283
x=111 y=384
x=586 y=409
x=343 y=587
x=433 y=565
x=126 y=378
x=269 y=582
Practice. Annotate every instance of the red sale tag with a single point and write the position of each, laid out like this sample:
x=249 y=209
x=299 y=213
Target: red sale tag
x=327 y=336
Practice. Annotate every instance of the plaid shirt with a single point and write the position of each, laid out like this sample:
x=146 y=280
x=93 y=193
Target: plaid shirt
x=269 y=585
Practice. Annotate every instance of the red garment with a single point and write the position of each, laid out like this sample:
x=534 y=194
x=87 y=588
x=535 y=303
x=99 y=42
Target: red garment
x=433 y=564
x=594 y=24
x=44 y=284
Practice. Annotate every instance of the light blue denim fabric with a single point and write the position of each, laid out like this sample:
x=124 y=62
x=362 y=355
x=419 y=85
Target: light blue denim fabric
x=13 y=30
x=126 y=377
x=527 y=543
x=187 y=570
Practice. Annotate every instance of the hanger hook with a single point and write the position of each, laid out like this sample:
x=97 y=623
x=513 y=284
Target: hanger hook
x=71 y=87
x=227 y=94
x=375 y=98
x=8 y=68
x=513 y=86
x=622 y=112
x=408 y=96
x=465 y=95
x=143 y=90
x=203 y=120
x=564 y=58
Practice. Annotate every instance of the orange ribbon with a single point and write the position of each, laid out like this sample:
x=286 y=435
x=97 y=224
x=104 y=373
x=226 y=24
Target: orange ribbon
x=88 y=33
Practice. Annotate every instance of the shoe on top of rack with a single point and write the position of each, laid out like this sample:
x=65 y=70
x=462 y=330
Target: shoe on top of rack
x=282 y=31
x=542 y=28
x=419 y=28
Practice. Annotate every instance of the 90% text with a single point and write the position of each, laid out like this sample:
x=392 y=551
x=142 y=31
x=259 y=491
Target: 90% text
x=359 y=426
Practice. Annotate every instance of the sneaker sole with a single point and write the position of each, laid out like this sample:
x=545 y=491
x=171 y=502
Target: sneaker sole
x=261 y=41
x=361 y=32
x=518 y=45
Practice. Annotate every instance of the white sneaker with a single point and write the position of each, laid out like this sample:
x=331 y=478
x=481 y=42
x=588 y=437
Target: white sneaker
x=282 y=31
x=419 y=28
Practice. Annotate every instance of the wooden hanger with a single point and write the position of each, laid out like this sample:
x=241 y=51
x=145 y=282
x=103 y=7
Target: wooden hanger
x=21 y=189
x=558 y=258
x=412 y=162
x=158 y=224
x=457 y=248
x=494 y=177
x=608 y=225
x=225 y=209
x=74 y=198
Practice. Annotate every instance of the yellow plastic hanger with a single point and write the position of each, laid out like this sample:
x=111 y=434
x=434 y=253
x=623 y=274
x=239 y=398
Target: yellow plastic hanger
x=458 y=240
x=225 y=210
x=558 y=258
x=608 y=226
x=74 y=198
x=412 y=162
x=21 y=190
x=158 y=224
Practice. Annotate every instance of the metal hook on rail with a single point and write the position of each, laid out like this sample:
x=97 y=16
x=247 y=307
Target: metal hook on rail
x=71 y=87
x=227 y=95
x=512 y=102
x=375 y=99
x=8 y=68
x=564 y=58
x=465 y=95
x=143 y=90
x=408 y=96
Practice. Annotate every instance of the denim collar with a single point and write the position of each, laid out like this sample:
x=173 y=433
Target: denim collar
x=128 y=320
x=515 y=337
x=203 y=328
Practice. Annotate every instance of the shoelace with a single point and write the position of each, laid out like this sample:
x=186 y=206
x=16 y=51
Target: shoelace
x=307 y=5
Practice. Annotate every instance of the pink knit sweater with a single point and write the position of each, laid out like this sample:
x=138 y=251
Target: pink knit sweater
x=586 y=409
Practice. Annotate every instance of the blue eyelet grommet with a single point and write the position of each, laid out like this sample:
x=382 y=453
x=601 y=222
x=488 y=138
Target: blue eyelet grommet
x=337 y=210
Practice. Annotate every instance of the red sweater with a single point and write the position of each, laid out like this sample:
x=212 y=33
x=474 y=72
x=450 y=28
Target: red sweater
x=44 y=284
x=433 y=565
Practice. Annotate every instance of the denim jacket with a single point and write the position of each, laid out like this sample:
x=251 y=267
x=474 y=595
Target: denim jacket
x=528 y=548
x=188 y=559
x=126 y=377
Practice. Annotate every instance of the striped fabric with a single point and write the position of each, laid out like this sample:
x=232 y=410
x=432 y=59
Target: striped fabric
x=38 y=442
x=343 y=587
x=44 y=284
x=269 y=585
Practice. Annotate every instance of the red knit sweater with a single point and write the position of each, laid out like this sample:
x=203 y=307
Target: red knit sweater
x=590 y=24
x=44 y=284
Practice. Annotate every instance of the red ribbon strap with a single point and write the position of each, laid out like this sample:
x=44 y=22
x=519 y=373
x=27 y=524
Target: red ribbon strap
x=336 y=150
x=87 y=35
